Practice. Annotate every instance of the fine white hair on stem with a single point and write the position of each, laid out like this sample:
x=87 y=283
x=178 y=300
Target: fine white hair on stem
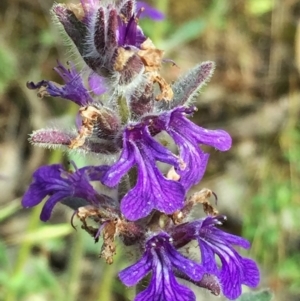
x=72 y=51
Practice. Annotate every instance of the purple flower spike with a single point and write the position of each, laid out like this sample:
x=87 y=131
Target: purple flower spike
x=149 y=11
x=187 y=137
x=152 y=190
x=58 y=183
x=73 y=89
x=235 y=269
x=162 y=259
x=147 y=206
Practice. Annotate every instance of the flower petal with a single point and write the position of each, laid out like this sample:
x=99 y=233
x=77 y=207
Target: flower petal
x=114 y=174
x=73 y=89
x=185 y=265
x=33 y=196
x=152 y=190
x=96 y=83
x=62 y=185
x=163 y=286
x=49 y=205
x=218 y=139
x=136 y=272
x=43 y=177
x=251 y=272
x=196 y=160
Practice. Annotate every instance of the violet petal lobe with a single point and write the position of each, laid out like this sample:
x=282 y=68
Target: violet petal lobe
x=126 y=161
x=163 y=286
x=50 y=203
x=38 y=189
x=207 y=259
x=130 y=34
x=218 y=139
x=234 y=274
x=251 y=275
x=152 y=191
x=196 y=160
x=164 y=259
x=73 y=89
x=135 y=273
x=58 y=184
x=188 y=137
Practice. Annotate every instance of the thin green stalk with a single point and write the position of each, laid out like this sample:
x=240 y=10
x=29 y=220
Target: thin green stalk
x=159 y=28
x=105 y=288
x=123 y=109
x=74 y=267
x=25 y=248
x=10 y=209
x=24 y=251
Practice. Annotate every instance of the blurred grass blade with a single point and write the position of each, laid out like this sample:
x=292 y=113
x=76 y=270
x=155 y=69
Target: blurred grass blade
x=42 y=234
x=9 y=209
x=3 y=256
x=184 y=34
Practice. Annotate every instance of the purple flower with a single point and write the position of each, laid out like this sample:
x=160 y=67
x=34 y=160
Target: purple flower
x=235 y=270
x=140 y=149
x=152 y=189
x=149 y=11
x=90 y=6
x=163 y=260
x=73 y=89
x=129 y=33
x=58 y=184
x=187 y=137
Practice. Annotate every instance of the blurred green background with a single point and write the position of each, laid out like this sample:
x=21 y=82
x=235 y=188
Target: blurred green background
x=254 y=94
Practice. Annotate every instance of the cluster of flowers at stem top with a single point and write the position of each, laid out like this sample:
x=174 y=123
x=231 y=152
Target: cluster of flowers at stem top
x=129 y=116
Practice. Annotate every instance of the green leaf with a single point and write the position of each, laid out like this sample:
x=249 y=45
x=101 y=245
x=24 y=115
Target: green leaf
x=264 y=295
